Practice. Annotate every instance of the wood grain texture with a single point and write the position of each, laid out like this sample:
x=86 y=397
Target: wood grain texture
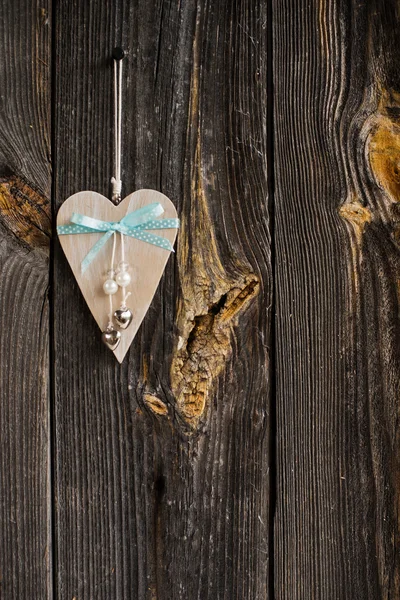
x=336 y=73
x=162 y=464
x=25 y=227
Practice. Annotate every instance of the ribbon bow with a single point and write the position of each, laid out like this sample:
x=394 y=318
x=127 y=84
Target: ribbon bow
x=136 y=224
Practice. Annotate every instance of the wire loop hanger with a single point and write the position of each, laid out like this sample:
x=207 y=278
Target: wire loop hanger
x=118 y=54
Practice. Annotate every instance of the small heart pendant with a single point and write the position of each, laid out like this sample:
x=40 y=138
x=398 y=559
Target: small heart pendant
x=111 y=337
x=123 y=317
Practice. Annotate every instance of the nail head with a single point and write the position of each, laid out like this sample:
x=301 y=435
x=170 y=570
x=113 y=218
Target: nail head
x=118 y=53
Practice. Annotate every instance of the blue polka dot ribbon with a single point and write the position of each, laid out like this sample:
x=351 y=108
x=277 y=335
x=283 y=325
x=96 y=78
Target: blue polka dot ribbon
x=136 y=224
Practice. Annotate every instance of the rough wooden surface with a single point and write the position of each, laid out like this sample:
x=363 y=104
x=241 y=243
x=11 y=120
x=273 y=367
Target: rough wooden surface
x=231 y=455
x=336 y=74
x=162 y=464
x=25 y=226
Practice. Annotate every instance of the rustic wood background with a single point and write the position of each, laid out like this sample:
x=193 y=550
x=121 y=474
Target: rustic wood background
x=248 y=448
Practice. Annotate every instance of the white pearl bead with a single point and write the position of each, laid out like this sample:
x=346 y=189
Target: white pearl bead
x=110 y=287
x=123 y=278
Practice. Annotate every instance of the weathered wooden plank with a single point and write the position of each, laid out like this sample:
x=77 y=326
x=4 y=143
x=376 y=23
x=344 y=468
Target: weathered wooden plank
x=337 y=123
x=162 y=466
x=25 y=227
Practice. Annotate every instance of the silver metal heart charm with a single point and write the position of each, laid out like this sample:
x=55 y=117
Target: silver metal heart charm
x=111 y=338
x=123 y=317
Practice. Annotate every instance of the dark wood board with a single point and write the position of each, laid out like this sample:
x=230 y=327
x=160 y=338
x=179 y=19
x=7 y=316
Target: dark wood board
x=162 y=464
x=336 y=99
x=165 y=480
x=25 y=229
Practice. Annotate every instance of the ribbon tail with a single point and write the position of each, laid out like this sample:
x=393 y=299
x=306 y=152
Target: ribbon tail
x=74 y=229
x=150 y=238
x=95 y=249
x=161 y=224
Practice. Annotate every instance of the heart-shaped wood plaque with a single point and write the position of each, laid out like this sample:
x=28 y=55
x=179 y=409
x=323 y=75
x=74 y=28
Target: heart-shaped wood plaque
x=146 y=261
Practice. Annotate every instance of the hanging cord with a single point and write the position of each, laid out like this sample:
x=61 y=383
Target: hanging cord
x=118 y=54
x=111 y=274
x=125 y=295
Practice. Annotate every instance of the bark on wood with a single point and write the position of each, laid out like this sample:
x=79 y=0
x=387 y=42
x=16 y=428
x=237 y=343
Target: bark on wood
x=25 y=227
x=162 y=464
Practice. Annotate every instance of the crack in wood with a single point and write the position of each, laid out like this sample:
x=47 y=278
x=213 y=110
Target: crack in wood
x=384 y=156
x=25 y=212
x=200 y=359
x=156 y=405
x=383 y=151
x=357 y=215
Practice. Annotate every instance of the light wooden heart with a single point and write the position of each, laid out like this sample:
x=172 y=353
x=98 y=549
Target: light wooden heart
x=147 y=262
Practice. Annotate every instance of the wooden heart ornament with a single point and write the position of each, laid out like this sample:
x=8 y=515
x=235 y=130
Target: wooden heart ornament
x=89 y=252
